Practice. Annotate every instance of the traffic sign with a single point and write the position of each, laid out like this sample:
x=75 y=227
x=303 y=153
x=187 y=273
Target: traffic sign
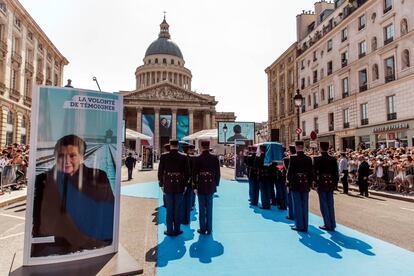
x=298 y=130
x=313 y=135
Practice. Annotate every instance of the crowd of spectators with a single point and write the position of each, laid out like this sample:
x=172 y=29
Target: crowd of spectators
x=14 y=160
x=391 y=168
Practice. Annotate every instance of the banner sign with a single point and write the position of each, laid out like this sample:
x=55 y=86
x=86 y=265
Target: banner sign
x=165 y=126
x=74 y=175
x=148 y=126
x=230 y=131
x=182 y=126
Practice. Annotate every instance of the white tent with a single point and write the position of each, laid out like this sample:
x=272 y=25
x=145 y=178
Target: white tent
x=205 y=134
x=139 y=138
x=133 y=135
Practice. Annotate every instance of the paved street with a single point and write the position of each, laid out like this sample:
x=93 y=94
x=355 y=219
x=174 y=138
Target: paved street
x=387 y=219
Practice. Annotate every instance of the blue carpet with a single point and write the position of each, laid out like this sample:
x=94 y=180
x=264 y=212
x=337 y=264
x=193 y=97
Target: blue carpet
x=146 y=190
x=251 y=241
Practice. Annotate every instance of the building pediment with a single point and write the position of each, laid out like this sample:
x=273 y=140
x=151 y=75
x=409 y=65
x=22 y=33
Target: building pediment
x=168 y=93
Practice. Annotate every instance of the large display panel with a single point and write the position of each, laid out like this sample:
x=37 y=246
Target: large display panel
x=74 y=175
x=230 y=131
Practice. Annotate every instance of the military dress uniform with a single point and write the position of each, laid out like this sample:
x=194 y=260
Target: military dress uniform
x=253 y=178
x=206 y=179
x=189 y=193
x=173 y=178
x=326 y=178
x=279 y=176
x=264 y=180
x=300 y=176
x=286 y=162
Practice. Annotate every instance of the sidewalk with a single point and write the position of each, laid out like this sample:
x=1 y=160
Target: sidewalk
x=12 y=197
x=387 y=194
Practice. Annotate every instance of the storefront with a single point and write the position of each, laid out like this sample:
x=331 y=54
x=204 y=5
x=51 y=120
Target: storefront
x=328 y=138
x=389 y=135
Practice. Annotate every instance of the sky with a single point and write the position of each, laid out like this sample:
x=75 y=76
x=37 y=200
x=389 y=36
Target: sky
x=227 y=44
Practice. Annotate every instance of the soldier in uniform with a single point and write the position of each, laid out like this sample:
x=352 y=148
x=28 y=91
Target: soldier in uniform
x=279 y=177
x=191 y=153
x=173 y=180
x=363 y=173
x=264 y=177
x=206 y=179
x=326 y=178
x=300 y=177
x=188 y=195
x=253 y=181
x=286 y=161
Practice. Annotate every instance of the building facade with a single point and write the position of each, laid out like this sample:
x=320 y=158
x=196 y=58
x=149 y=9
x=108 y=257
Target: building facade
x=163 y=105
x=281 y=81
x=355 y=72
x=27 y=57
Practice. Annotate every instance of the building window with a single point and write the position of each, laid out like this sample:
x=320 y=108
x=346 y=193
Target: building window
x=375 y=72
x=302 y=83
x=322 y=94
x=302 y=65
x=309 y=100
x=344 y=59
x=405 y=59
x=404 y=27
x=30 y=35
x=172 y=61
x=345 y=88
x=303 y=128
x=9 y=128
x=316 y=124
x=344 y=34
x=322 y=73
x=329 y=45
x=315 y=76
x=389 y=69
x=164 y=61
x=331 y=121
x=3 y=7
x=346 y=118
x=374 y=43
x=364 y=114
x=329 y=68
x=331 y=93
x=14 y=76
x=17 y=22
x=28 y=87
x=315 y=100
x=388 y=34
x=387 y=5
x=303 y=105
x=363 y=80
x=391 y=108
x=156 y=61
x=361 y=22
x=314 y=56
x=362 y=46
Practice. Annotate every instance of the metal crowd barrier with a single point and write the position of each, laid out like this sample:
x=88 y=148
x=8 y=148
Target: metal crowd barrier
x=12 y=176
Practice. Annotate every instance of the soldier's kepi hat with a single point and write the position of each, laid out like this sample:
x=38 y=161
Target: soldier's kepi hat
x=292 y=149
x=324 y=145
x=205 y=144
x=299 y=143
x=174 y=142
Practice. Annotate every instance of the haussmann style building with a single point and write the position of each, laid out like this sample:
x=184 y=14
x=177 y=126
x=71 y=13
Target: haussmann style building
x=355 y=72
x=163 y=105
x=27 y=57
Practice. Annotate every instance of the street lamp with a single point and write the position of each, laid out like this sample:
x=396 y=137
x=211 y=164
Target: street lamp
x=298 y=99
x=96 y=80
x=225 y=138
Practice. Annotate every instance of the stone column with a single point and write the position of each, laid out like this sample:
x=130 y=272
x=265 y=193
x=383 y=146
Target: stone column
x=174 y=123
x=213 y=120
x=139 y=119
x=207 y=120
x=157 y=130
x=191 y=121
